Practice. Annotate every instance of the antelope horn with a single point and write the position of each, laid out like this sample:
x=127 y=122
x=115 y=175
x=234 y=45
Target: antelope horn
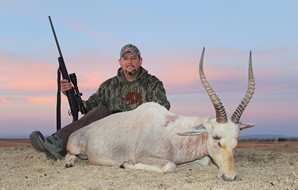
x=250 y=91
x=221 y=116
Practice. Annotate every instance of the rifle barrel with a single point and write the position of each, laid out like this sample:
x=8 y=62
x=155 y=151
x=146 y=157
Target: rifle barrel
x=56 y=39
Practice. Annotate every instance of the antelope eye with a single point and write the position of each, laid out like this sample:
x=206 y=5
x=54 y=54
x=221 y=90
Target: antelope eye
x=216 y=137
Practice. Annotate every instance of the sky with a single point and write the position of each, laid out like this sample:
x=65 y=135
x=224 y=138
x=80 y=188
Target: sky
x=170 y=35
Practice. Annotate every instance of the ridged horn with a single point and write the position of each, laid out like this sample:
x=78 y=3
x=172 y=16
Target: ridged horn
x=250 y=91
x=221 y=116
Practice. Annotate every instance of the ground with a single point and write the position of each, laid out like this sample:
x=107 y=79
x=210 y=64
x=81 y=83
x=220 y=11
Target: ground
x=260 y=165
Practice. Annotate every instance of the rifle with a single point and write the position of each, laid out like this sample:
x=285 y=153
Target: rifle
x=73 y=95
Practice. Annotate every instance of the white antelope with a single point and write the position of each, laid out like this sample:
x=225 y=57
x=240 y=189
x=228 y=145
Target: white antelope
x=151 y=137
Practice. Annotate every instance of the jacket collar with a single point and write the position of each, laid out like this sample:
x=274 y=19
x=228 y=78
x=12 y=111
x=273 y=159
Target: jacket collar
x=121 y=76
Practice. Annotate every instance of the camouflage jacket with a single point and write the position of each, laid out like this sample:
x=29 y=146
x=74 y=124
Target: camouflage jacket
x=118 y=94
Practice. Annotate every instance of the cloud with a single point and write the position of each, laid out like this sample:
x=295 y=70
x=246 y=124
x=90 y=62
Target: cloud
x=26 y=79
x=225 y=69
x=22 y=73
x=181 y=71
x=27 y=100
x=28 y=85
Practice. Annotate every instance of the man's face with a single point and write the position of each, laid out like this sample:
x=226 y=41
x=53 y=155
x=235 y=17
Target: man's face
x=130 y=64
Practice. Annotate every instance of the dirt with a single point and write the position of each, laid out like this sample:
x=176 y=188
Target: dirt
x=260 y=165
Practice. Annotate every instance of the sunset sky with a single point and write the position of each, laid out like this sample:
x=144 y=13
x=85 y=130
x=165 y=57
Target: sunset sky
x=170 y=35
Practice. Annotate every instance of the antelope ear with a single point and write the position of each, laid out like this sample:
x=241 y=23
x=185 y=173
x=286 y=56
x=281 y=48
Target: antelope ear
x=245 y=125
x=195 y=130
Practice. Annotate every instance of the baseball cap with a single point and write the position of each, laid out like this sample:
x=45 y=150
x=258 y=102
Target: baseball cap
x=129 y=48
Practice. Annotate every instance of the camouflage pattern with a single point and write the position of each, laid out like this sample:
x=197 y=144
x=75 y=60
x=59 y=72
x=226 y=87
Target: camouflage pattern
x=118 y=94
x=129 y=48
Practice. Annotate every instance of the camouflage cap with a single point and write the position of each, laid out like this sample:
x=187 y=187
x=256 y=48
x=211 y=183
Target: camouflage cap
x=129 y=48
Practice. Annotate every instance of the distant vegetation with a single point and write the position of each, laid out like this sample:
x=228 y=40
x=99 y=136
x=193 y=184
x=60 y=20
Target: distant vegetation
x=267 y=137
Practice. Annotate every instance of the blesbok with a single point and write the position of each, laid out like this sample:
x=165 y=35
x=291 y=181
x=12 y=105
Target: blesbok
x=151 y=137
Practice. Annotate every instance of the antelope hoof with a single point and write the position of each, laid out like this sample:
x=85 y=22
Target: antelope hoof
x=68 y=165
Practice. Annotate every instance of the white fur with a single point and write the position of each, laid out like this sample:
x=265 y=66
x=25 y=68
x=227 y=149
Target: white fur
x=150 y=137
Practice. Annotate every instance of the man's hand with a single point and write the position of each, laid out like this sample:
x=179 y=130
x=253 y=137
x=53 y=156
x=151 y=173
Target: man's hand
x=65 y=86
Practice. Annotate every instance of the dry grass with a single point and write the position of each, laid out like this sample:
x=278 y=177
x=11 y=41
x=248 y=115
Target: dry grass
x=260 y=164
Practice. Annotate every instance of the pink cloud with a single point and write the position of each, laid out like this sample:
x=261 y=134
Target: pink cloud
x=183 y=68
x=225 y=68
x=273 y=111
x=23 y=73
x=29 y=84
x=91 y=70
x=178 y=71
x=43 y=100
x=27 y=100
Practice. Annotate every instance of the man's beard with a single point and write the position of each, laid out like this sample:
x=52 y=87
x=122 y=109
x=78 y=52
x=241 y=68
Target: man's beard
x=132 y=72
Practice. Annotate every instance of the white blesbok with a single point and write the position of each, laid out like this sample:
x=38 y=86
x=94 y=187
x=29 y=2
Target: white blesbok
x=151 y=137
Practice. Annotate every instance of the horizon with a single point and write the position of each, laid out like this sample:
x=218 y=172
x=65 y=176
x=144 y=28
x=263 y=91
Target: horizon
x=170 y=36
